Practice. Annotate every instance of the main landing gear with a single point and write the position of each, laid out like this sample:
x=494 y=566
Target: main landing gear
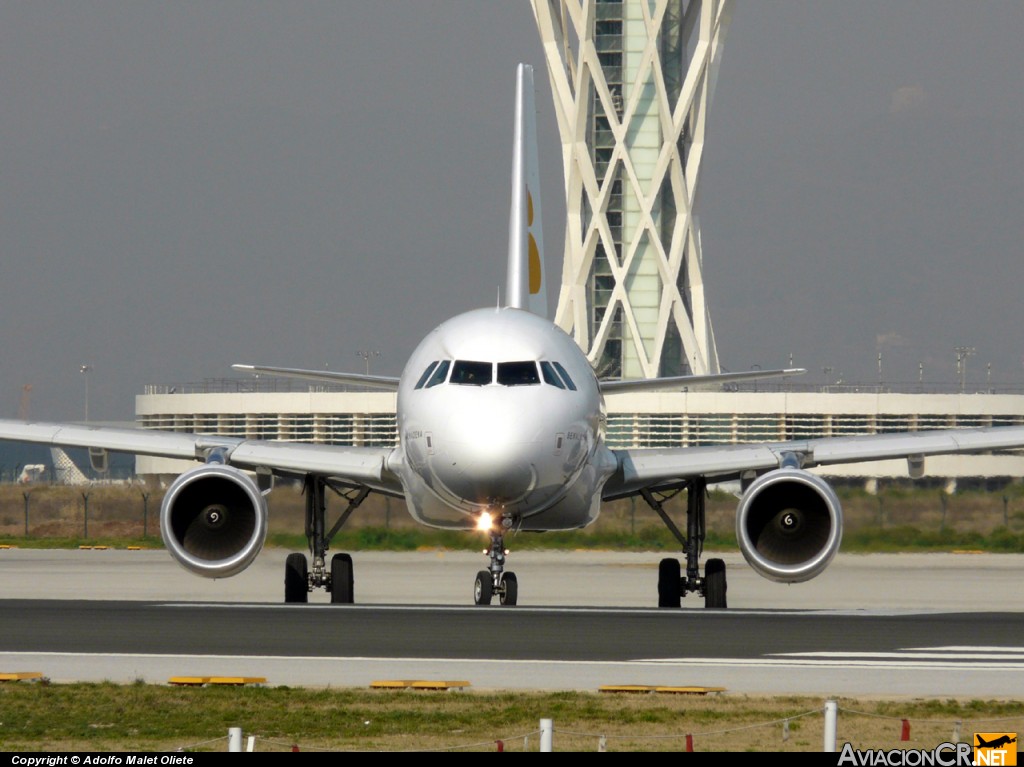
x=495 y=581
x=672 y=584
x=339 y=580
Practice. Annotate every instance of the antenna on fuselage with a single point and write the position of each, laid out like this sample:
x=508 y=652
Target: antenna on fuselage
x=526 y=288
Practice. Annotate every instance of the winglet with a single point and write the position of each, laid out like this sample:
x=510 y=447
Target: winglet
x=526 y=287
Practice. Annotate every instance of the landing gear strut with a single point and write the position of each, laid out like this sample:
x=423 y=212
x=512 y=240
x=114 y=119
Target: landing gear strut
x=672 y=584
x=299 y=579
x=495 y=581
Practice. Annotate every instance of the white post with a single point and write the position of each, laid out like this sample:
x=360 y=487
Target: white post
x=831 y=710
x=235 y=740
x=547 y=727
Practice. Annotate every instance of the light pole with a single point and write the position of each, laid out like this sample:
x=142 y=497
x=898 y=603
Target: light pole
x=85 y=370
x=962 y=353
x=367 y=355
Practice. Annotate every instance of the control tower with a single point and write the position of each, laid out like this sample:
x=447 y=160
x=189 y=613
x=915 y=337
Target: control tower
x=631 y=83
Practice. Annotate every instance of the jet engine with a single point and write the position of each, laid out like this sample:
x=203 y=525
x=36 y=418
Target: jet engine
x=789 y=524
x=214 y=520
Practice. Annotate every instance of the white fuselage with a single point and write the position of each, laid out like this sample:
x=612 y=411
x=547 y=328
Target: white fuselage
x=500 y=412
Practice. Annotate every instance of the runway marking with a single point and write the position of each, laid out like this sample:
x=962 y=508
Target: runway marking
x=1005 y=655
x=561 y=609
x=790 y=662
x=968 y=648
x=839 y=663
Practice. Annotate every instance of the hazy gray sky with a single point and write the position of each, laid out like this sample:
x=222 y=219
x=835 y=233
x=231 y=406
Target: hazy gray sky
x=187 y=185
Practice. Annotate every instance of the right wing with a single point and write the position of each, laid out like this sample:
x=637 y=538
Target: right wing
x=355 y=465
x=352 y=379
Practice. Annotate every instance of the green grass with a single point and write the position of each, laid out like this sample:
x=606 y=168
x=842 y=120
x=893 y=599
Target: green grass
x=901 y=517
x=905 y=538
x=104 y=716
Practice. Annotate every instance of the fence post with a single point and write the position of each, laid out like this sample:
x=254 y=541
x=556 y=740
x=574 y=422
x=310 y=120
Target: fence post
x=27 y=494
x=85 y=516
x=831 y=710
x=547 y=727
x=235 y=740
x=145 y=514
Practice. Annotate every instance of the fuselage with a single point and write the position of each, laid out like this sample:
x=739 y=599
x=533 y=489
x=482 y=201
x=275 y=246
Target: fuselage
x=500 y=412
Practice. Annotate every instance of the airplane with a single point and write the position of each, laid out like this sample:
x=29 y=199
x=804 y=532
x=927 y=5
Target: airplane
x=501 y=424
x=1002 y=740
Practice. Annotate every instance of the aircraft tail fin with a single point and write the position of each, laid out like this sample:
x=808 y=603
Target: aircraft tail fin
x=67 y=470
x=525 y=283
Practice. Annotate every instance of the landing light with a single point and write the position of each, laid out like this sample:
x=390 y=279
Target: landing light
x=484 y=522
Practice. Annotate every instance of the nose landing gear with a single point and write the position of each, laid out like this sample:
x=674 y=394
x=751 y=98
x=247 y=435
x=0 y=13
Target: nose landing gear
x=495 y=581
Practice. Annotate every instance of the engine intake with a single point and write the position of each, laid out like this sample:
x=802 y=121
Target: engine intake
x=789 y=525
x=213 y=520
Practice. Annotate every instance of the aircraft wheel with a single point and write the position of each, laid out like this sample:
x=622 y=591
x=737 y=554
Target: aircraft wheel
x=510 y=589
x=714 y=583
x=296 y=579
x=483 y=588
x=342 y=580
x=669 y=592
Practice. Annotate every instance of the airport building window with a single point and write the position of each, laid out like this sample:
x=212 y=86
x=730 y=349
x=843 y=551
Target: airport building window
x=518 y=373
x=470 y=373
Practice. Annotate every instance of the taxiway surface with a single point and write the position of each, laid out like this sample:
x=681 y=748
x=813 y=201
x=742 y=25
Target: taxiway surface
x=907 y=624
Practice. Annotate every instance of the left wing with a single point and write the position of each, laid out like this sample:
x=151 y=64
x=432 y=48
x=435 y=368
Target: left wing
x=357 y=465
x=642 y=468
x=678 y=383
x=789 y=522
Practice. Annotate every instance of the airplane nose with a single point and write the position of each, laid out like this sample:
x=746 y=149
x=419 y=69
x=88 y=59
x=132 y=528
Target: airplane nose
x=487 y=456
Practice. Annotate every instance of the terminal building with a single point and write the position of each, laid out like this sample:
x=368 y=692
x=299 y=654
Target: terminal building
x=632 y=83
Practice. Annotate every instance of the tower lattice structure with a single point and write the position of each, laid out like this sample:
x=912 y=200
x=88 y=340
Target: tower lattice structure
x=631 y=83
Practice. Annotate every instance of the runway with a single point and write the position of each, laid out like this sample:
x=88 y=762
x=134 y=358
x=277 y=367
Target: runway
x=945 y=626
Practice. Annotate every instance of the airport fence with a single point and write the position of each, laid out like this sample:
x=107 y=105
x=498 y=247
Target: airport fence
x=830 y=728
x=898 y=512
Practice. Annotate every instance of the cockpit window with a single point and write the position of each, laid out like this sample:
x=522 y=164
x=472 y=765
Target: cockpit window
x=565 y=375
x=468 y=373
x=517 y=373
x=440 y=373
x=550 y=376
x=426 y=374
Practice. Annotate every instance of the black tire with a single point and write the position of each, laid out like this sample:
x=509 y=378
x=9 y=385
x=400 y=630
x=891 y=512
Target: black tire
x=714 y=584
x=296 y=579
x=510 y=589
x=483 y=588
x=669 y=591
x=342 y=580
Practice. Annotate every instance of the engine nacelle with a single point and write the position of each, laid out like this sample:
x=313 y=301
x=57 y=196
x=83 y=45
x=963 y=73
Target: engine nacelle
x=789 y=524
x=214 y=520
